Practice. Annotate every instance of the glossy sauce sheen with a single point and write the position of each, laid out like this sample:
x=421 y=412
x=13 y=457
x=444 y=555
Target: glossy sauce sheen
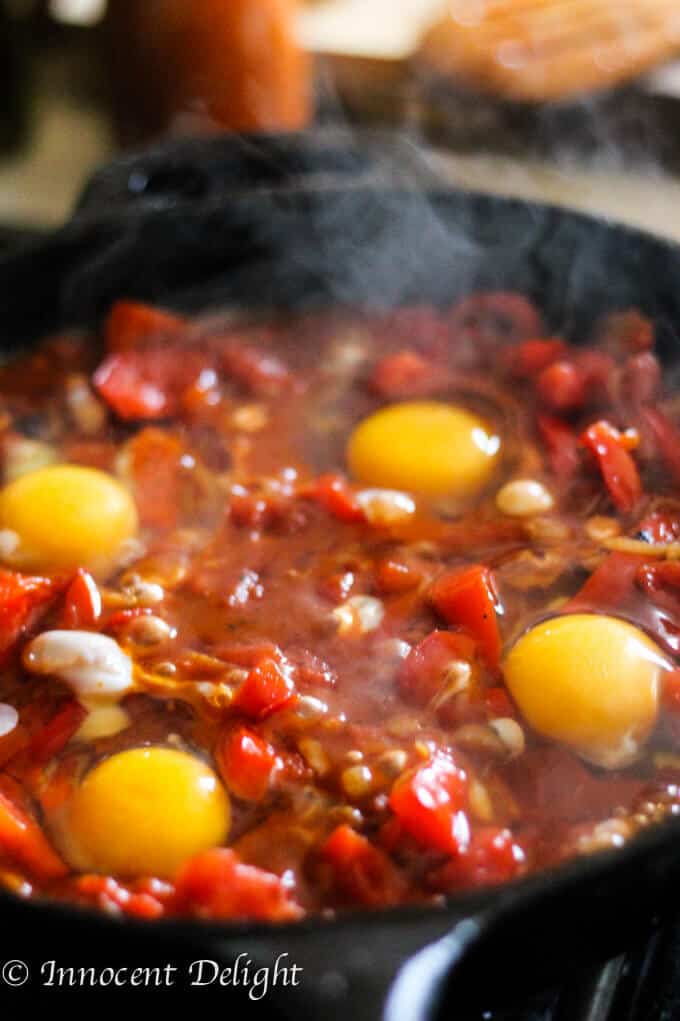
x=325 y=659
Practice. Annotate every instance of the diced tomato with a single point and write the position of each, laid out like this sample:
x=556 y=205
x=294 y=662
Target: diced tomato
x=21 y=838
x=215 y=884
x=396 y=576
x=107 y=891
x=466 y=598
x=259 y=371
x=265 y=690
x=155 y=460
x=423 y=672
x=23 y=599
x=562 y=446
x=532 y=356
x=616 y=464
x=119 y=620
x=498 y=702
x=82 y=602
x=363 y=872
x=147 y=385
x=493 y=856
x=131 y=325
x=665 y=436
x=246 y=763
x=661 y=526
x=336 y=587
x=334 y=493
x=405 y=374
x=56 y=734
x=562 y=386
x=430 y=802
x=671 y=691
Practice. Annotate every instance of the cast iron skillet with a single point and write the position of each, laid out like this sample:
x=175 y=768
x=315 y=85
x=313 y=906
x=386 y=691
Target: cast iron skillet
x=298 y=223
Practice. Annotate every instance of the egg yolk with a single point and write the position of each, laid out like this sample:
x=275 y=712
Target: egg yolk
x=144 y=812
x=66 y=516
x=425 y=446
x=590 y=682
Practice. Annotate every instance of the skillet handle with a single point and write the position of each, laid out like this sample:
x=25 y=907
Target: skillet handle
x=206 y=171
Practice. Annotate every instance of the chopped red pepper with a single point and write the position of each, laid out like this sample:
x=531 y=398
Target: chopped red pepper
x=430 y=802
x=215 y=884
x=119 y=620
x=22 y=839
x=265 y=690
x=562 y=446
x=82 y=602
x=562 y=386
x=259 y=371
x=56 y=734
x=364 y=873
x=616 y=464
x=246 y=763
x=423 y=672
x=493 y=856
x=147 y=385
x=107 y=891
x=23 y=598
x=334 y=493
x=396 y=576
x=466 y=598
x=610 y=584
x=132 y=324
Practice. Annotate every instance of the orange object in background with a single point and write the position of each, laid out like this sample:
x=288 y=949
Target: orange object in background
x=206 y=65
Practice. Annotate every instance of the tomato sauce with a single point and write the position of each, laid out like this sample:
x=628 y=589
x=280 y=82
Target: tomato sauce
x=332 y=651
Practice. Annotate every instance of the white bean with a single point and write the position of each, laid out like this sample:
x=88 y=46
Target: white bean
x=359 y=614
x=523 y=498
x=9 y=718
x=103 y=721
x=93 y=665
x=385 y=506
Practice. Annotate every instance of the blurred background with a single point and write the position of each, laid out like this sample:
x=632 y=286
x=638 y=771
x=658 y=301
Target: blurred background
x=573 y=101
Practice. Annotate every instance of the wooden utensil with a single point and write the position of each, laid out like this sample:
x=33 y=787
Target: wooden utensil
x=538 y=50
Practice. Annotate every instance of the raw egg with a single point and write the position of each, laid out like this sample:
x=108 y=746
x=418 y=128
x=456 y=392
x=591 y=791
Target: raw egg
x=65 y=516
x=426 y=447
x=144 y=812
x=591 y=682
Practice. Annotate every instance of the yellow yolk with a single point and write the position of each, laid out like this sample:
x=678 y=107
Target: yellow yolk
x=144 y=812
x=590 y=682
x=66 y=516
x=426 y=447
